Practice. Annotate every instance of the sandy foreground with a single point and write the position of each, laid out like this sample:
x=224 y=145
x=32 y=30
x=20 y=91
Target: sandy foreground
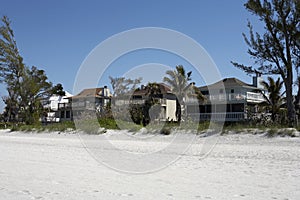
x=72 y=166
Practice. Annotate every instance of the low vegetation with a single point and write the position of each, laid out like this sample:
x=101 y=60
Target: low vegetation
x=101 y=125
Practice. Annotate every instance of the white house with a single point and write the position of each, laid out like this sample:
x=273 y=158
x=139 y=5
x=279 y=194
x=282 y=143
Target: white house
x=55 y=113
x=227 y=99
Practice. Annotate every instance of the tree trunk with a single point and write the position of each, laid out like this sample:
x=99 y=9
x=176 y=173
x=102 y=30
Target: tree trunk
x=178 y=111
x=289 y=98
x=297 y=99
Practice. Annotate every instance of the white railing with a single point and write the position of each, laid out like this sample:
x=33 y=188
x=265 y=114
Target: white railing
x=236 y=97
x=121 y=102
x=224 y=116
x=227 y=97
x=64 y=105
x=252 y=96
x=249 y=96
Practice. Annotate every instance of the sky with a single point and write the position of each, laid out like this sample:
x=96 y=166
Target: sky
x=58 y=36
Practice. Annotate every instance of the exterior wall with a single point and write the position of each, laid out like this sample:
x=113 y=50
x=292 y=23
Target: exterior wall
x=90 y=103
x=55 y=100
x=65 y=115
x=55 y=106
x=171 y=110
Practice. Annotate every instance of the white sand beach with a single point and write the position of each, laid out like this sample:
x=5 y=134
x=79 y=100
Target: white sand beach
x=58 y=166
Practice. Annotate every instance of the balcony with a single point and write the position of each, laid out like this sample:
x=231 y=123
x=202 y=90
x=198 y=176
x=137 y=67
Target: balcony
x=121 y=102
x=255 y=97
x=222 y=116
x=137 y=101
x=64 y=106
x=226 y=97
x=249 y=97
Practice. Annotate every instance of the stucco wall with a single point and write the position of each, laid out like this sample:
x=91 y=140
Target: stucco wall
x=171 y=110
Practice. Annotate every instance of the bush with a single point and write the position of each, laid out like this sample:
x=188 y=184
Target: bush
x=165 y=131
x=108 y=123
x=38 y=127
x=272 y=132
x=60 y=126
x=128 y=125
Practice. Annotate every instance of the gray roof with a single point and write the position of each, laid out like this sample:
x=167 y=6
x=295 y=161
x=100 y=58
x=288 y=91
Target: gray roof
x=229 y=82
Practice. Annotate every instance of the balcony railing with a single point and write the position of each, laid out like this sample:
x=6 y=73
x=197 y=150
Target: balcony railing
x=249 y=96
x=64 y=105
x=257 y=97
x=227 y=116
x=120 y=102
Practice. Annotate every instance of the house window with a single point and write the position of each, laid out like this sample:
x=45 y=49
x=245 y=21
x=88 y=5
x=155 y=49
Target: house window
x=237 y=107
x=202 y=108
x=137 y=97
x=208 y=109
x=228 y=108
x=232 y=90
x=68 y=114
x=221 y=91
x=205 y=92
x=62 y=114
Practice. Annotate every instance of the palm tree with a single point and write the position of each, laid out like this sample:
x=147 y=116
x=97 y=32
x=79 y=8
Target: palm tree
x=179 y=81
x=274 y=97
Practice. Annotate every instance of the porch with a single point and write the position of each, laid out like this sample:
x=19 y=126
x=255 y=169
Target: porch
x=222 y=116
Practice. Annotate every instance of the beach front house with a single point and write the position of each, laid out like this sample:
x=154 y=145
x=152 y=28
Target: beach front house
x=164 y=98
x=92 y=99
x=57 y=109
x=228 y=99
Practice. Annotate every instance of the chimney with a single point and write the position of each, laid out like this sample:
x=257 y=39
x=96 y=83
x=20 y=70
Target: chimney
x=257 y=79
x=105 y=91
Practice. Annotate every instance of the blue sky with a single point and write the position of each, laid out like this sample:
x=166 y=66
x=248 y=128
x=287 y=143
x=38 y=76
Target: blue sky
x=58 y=35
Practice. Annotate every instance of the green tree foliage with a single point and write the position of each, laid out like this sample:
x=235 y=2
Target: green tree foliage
x=12 y=69
x=274 y=98
x=58 y=90
x=152 y=107
x=275 y=51
x=122 y=91
x=121 y=85
x=136 y=112
x=25 y=86
x=35 y=87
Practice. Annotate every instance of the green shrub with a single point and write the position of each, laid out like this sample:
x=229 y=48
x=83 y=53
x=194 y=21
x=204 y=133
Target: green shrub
x=60 y=126
x=108 y=123
x=128 y=125
x=165 y=131
x=272 y=132
x=38 y=127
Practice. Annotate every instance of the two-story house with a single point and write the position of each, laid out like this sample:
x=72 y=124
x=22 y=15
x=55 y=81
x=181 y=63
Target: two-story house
x=227 y=99
x=58 y=108
x=92 y=99
x=165 y=99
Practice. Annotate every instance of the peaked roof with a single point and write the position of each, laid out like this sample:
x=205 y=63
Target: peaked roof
x=56 y=97
x=68 y=94
x=162 y=86
x=228 y=82
x=91 y=92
